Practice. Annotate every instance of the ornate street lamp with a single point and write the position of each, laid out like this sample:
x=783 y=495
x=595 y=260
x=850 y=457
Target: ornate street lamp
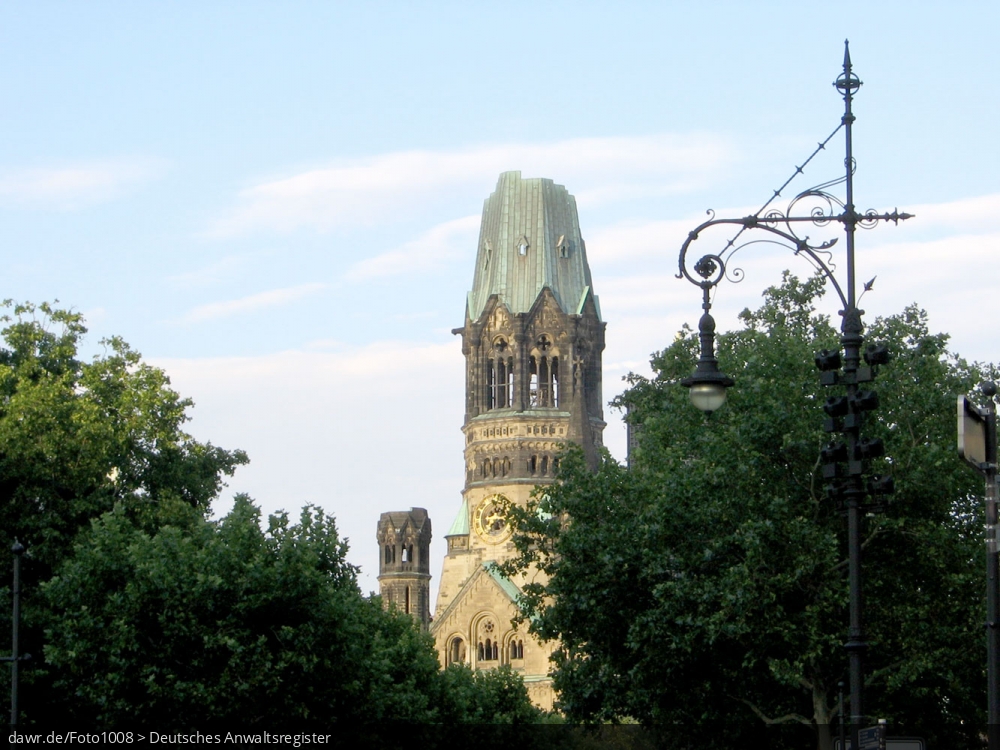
x=845 y=460
x=707 y=385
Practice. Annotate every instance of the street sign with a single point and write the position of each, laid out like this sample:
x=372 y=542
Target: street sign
x=892 y=743
x=971 y=433
x=868 y=738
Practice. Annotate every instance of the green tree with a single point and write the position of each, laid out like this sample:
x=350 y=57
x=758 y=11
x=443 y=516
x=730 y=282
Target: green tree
x=205 y=622
x=706 y=586
x=225 y=622
x=78 y=439
x=495 y=696
x=140 y=610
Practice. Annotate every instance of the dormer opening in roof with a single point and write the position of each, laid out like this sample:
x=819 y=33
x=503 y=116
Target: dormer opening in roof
x=562 y=245
x=522 y=245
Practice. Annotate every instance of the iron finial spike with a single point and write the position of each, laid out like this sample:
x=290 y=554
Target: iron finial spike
x=847 y=55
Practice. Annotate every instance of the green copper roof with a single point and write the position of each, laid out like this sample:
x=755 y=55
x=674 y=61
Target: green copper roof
x=503 y=581
x=460 y=526
x=529 y=239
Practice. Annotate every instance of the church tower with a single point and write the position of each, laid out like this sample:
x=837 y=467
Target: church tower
x=404 y=571
x=532 y=341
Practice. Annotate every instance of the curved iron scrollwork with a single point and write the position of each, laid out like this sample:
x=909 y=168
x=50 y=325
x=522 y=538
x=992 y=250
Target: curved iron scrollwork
x=711 y=268
x=814 y=206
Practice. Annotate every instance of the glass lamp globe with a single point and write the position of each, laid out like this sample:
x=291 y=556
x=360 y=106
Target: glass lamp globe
x=707 y=396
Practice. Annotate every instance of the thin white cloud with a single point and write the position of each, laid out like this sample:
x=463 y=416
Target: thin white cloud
x=75 y=186
x=621 y=245
x=438 y=245
x=210 y=274
x=967 y=214
x=384 y=186
x=271 y=298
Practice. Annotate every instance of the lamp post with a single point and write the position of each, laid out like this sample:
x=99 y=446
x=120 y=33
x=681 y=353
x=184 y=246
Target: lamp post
x=15 y=657
x=844 y=459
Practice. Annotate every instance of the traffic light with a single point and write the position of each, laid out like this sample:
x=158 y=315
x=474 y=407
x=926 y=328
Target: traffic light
x=828 y=360
x=869 y=448
x=881 y=485
x=844 y=463
x=836 y=406
x=864 y=401
x=830 y=457
x=876 y=354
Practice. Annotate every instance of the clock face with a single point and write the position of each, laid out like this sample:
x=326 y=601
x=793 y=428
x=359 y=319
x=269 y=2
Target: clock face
x=488 y=520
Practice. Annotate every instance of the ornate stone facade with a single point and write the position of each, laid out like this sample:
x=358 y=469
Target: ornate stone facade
x=532 y=341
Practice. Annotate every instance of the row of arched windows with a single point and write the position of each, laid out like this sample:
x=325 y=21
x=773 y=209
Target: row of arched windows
x=492 y=468
x=543 y=375
x=406 y=554
x=488 y=650
x=541 y=465
x=497 y=467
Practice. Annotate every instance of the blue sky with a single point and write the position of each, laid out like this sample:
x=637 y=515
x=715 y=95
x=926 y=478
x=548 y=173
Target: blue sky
x=279 y=203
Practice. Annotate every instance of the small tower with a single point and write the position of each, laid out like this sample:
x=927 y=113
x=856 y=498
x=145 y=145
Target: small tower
x=404 y=573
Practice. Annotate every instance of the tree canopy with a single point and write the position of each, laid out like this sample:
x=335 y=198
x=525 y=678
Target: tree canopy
x=139 y=609
x=78 y=438
x=225 y=623
x=706 y=586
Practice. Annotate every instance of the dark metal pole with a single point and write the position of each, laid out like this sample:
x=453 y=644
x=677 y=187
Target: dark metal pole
x=852 y=339
x=15 y=656
x=843 y=723
x=992 y=594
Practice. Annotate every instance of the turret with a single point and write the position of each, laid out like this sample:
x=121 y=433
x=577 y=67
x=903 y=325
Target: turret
x=404 y=573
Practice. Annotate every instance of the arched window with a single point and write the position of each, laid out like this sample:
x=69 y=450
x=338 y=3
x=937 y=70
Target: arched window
x=490 y=651
x=500 y=376
x=407 y=610
x=516 y=650
x=404 y=558
x=554 y=383
x=456 y=652
x=543 y=374
x=409 y=553
x=545 y=464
